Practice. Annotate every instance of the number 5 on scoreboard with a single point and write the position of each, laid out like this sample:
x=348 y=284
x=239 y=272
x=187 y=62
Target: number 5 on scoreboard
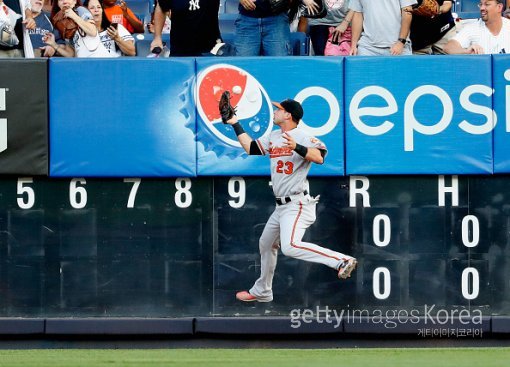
x=134 y=190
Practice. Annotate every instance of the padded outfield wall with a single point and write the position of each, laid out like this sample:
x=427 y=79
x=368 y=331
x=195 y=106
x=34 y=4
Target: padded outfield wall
x=122 y=195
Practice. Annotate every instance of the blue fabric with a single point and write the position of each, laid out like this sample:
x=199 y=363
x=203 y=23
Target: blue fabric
x=268 y=36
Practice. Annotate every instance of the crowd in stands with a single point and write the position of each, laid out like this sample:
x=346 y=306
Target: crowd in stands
x=109 y=28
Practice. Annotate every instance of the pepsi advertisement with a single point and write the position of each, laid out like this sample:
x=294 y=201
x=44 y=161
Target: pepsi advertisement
x=501 y=79
x=419 y=115
x=122 y=118
x=317 y=83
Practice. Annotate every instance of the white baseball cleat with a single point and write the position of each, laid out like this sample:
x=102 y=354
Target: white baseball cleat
x=246 y=296
x=346 y=268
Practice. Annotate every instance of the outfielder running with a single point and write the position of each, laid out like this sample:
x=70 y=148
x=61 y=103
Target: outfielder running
x=291 y=152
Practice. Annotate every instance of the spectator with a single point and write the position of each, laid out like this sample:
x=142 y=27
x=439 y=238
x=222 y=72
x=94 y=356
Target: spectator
x=13 y=12
x=115 y=38
x=43 y=25
x=85 y=42
x=430 y=35
x=488 y=35
x=334 y=24
x=506 y=13
x=195 y=29
x=123 y=15
x=381 y=27
x=259 y=31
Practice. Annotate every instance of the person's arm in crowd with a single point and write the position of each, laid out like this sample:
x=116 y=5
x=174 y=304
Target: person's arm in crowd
x=342 y=27
x=29 y=21
x=248 y=4
x=131 y=18
x=126 y=46
x=88 y=26
x=405 y=27
x=61 y=50
x=47 y=51
x=357 y=27
x=453 y=47
x=159 y=22
x=446 y=6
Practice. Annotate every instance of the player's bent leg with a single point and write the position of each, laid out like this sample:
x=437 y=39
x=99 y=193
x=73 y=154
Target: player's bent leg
x=293 y=227
x=262 y=290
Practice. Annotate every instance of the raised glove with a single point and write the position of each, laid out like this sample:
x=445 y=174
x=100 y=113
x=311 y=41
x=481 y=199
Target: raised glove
x=226 y=109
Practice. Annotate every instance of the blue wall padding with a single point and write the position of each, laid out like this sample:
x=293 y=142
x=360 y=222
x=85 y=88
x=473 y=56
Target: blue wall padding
x=418 y=115
x=127 y=117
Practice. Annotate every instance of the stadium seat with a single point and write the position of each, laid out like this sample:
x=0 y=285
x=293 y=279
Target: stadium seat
x=468 y=5
x=141 y=8
x=299 y=42
x=143 y=43
x=467 y=9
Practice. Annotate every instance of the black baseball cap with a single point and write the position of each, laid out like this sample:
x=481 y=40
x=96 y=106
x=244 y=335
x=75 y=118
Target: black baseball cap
x=291 y=106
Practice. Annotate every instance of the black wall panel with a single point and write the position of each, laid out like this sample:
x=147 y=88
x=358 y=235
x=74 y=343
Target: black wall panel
x=181 y=247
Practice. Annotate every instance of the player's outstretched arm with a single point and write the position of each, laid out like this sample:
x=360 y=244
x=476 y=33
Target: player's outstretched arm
x=242 y=136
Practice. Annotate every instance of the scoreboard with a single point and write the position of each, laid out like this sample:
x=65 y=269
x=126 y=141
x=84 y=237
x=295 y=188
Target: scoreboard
x=183 y=246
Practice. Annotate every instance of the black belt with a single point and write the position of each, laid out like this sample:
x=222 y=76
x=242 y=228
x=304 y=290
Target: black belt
x=287 y=199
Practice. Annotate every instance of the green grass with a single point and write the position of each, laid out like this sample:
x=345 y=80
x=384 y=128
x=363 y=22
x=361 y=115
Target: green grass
x=370 y=357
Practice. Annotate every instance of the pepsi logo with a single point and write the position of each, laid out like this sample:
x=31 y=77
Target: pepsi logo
x=254 y=109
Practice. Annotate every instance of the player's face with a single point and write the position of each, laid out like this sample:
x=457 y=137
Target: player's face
x=278 y=116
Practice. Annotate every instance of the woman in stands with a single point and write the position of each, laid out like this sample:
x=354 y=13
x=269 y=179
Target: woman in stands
x=85 y=41
x=332 y=27
x=114 y=36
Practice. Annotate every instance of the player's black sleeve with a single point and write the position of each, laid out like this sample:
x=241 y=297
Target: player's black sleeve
x=255 y=148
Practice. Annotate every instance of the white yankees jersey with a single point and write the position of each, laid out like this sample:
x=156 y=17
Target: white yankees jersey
x=109 y=44
x=288 y=169
x=478 y=33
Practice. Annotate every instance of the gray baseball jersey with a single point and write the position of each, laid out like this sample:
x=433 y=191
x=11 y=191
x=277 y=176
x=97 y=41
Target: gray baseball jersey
x=288 y=169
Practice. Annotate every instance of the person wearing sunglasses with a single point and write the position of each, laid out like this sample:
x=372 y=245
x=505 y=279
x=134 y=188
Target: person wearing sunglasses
x=488 y=35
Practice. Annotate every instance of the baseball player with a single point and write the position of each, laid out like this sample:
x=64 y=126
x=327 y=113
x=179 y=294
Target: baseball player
x=291 y=152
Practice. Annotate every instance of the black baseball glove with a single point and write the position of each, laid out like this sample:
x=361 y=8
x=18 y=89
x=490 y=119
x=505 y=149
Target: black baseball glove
x=226 y=109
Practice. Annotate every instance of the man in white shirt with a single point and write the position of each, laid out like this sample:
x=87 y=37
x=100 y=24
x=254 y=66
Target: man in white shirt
x=488 y=35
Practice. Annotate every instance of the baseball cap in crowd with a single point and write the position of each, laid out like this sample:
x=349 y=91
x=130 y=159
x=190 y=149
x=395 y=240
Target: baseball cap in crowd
x=292 y=107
